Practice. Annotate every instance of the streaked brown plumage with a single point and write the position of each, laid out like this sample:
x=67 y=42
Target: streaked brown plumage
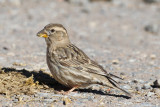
x=69 y=65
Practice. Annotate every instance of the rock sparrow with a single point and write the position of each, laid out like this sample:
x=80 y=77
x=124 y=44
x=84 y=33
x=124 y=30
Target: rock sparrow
x=69 y=65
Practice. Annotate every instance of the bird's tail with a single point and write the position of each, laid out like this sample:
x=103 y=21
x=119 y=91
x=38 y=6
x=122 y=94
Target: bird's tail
x=115 y=85
x=112 y=75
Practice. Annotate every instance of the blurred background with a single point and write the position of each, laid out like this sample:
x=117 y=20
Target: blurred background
x=122 y=35
x=109 y=31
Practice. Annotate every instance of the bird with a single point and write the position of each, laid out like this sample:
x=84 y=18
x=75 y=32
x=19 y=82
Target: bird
x=69 y=65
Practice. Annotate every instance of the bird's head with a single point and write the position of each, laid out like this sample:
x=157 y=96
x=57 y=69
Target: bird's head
x=54 y=34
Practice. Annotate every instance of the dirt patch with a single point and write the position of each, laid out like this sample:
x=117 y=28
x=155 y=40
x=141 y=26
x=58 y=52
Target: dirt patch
x=18 y=82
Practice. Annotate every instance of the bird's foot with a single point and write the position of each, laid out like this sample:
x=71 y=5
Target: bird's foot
x=67 y=92
x=108 y=90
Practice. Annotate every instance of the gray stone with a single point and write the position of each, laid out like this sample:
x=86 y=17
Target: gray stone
x=156 y=83
x=15 y=100
x=141 y=81
x=91 y=98
x=138 y=81
x=127 y=87
x=135 y=81
x=138 y=88
x=116 y=61
x=150 y=94
x=152 y=28
x=146 y=86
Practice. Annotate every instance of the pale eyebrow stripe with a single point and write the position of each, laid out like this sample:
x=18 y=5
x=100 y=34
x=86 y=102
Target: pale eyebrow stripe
x=60 y=29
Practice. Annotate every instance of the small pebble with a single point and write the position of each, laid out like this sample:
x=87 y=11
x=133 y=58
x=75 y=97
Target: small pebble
x=132 y=60
x=19 y=64
x=116 y=61
x=150 y=94
x=90 y=98
x=127 y=87
x=152 y=28
x=122 y=73
x=146 y=86
x=135 y=81
x=20 y=98
x=138 y=81
x=15 y=100
x=138 y=88
x=5 y=48
x=156 y=83
x=153 y=56
x=67 y=101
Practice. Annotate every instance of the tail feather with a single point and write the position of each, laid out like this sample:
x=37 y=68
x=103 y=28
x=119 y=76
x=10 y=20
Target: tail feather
x=114 y=81
x=111 y=75
x=115 y=84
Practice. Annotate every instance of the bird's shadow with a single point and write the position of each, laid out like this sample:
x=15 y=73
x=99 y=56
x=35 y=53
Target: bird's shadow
x=46 y=79
x=103 y=93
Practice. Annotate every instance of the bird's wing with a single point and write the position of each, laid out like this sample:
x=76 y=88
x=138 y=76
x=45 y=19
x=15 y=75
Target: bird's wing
x=72 y=56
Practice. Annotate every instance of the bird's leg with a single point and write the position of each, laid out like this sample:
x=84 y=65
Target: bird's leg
x=69 y=91
x=108 y=90
x=72 y=89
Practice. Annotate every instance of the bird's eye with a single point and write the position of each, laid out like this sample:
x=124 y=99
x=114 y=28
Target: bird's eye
x=52 y=30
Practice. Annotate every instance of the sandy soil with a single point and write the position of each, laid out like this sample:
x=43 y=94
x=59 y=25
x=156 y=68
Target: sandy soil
x=122 y=35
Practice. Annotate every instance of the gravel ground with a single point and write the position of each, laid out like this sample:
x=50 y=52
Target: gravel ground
x=122 y=35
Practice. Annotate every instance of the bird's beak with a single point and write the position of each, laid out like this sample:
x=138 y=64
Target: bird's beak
x=42 y=34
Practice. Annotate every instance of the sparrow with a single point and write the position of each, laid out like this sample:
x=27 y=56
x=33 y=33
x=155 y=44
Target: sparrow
x=69 y=65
